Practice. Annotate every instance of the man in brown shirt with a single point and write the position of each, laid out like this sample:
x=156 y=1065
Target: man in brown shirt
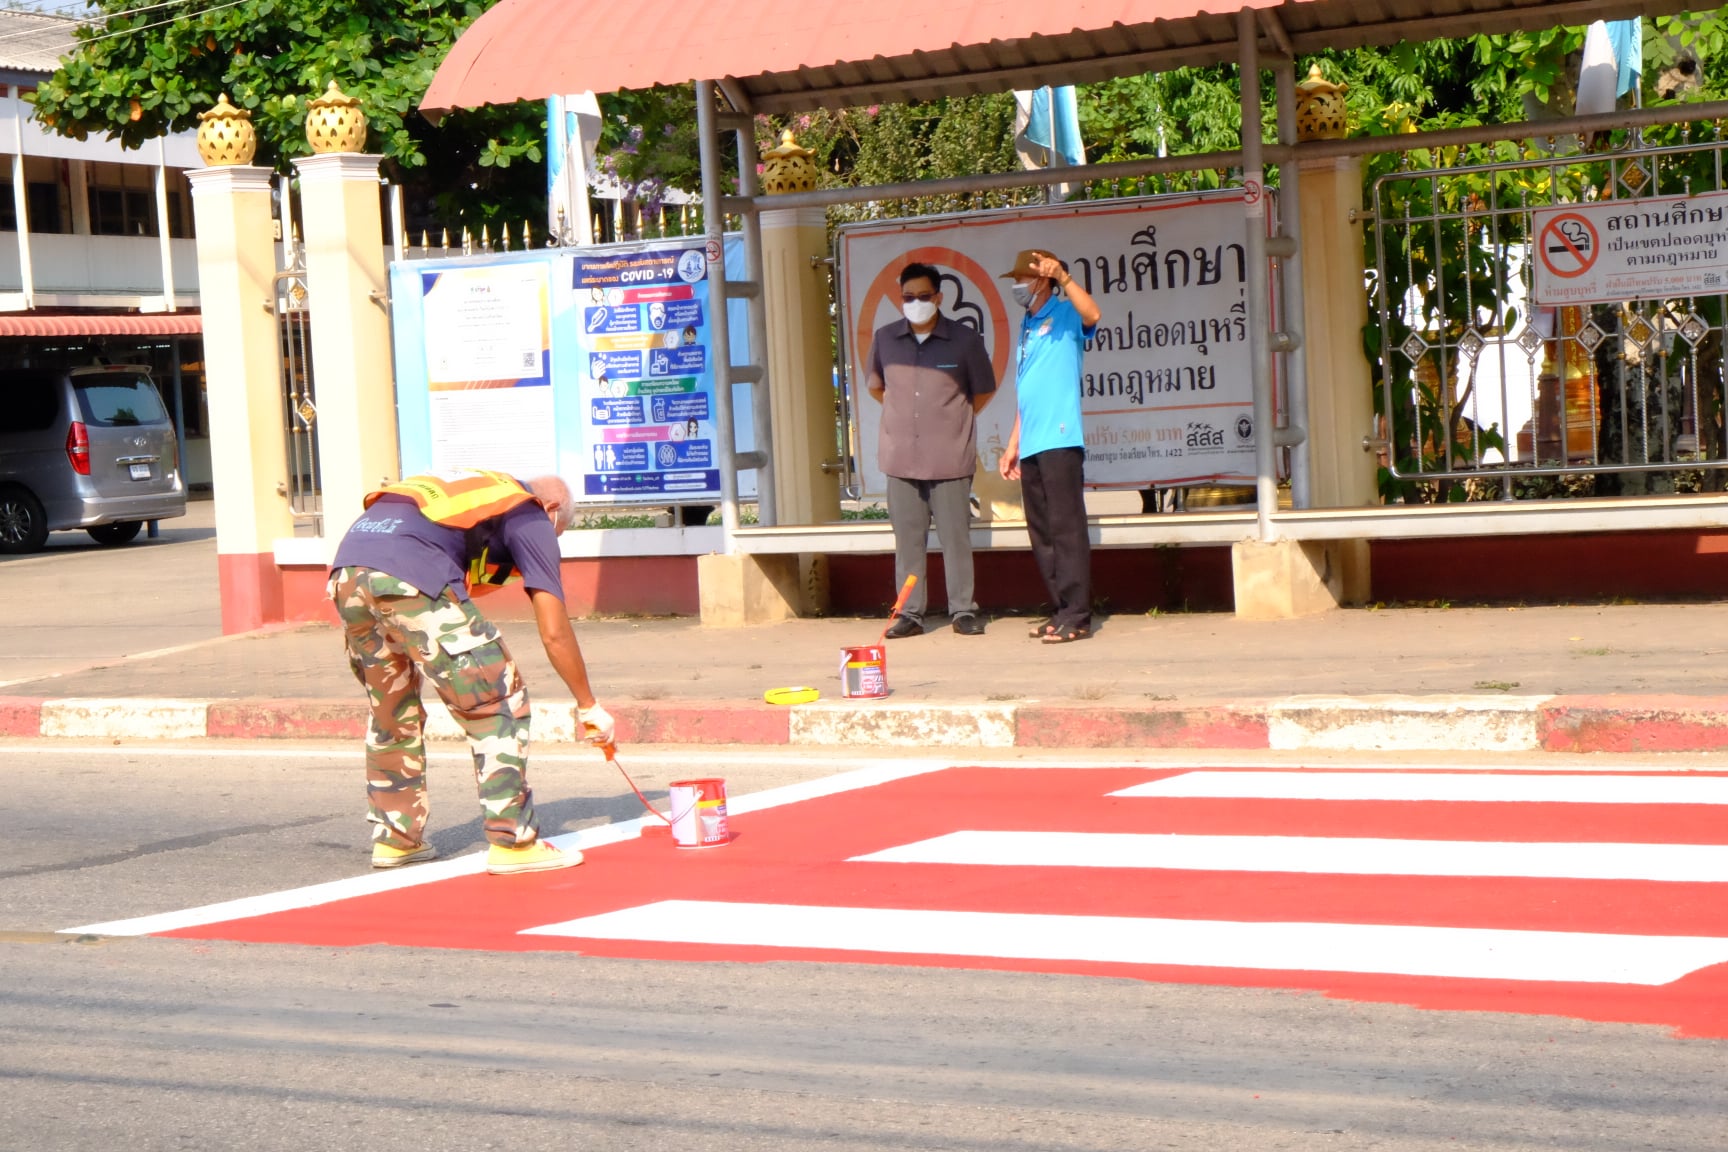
x=932 y=376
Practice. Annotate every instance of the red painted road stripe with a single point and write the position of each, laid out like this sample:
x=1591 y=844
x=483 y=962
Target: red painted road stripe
x=798 y=855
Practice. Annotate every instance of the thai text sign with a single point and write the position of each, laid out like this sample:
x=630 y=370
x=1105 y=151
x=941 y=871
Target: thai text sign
x=1613 y=250
x=1165 y=380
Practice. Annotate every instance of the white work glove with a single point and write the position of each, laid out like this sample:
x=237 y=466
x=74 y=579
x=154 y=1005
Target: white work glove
x=598 y=727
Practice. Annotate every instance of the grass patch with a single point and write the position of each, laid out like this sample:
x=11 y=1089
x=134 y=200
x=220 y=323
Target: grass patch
x=1495 y=685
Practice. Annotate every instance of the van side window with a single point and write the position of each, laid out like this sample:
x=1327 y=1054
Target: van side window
x=110 y=401
x=29 y=401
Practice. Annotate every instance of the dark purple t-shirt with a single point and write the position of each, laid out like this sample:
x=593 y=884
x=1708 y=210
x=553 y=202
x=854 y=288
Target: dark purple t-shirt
x=392 y=536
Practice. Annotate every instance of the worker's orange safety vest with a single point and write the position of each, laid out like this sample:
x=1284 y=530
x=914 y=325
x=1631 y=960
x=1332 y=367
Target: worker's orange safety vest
x=464 y=500
x=459 y=499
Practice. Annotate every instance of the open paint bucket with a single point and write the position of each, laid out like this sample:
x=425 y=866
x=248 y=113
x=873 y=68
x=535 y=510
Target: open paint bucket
x=864 y=672
x=698 y=813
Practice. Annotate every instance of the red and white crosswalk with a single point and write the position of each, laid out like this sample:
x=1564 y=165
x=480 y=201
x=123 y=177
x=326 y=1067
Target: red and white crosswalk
x=1597 y=895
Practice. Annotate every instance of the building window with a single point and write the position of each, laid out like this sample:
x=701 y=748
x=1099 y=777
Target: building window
x=44 y=207
x=121 y=212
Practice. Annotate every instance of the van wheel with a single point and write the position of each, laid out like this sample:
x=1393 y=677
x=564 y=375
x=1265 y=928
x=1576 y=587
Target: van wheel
x=23 y=523
x=117 y=533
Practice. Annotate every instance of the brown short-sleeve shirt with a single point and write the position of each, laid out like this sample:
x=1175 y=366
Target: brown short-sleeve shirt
x=928 y=431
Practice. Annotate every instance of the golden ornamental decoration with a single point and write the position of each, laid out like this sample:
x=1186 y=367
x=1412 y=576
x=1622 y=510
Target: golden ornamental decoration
x=335 y=123
x=1320 y=110
x=788 y=168
x=226 y=135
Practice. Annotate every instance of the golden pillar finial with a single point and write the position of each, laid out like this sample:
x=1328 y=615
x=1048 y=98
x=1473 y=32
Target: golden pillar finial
x=335 y=123
x=1320 y=110
x=788 y=168
x=226 y=135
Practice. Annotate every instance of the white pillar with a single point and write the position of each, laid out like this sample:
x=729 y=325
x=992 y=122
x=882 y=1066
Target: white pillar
x=346 y=288
x=248 y=450
x=21 y=202
x=165 y=244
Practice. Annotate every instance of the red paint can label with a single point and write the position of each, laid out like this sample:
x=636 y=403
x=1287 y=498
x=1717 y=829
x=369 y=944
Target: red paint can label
x=698 y=813
x=864 y=672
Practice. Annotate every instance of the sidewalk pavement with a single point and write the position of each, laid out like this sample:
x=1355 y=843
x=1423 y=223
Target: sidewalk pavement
x=1620 y=678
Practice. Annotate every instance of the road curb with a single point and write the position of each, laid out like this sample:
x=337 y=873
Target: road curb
x=1577 y=724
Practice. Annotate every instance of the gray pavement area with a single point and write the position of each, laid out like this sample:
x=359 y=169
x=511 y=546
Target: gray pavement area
x=144 y=621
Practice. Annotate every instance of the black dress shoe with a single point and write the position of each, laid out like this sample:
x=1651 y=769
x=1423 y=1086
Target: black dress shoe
x=903 y=627
x=968 y=624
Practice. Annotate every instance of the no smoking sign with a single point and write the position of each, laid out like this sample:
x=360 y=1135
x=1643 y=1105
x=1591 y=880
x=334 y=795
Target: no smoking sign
x=1568 y=245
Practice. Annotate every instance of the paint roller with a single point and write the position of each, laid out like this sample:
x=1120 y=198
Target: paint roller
x=899 y=603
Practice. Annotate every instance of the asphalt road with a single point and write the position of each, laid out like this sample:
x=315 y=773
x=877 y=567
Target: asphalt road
x=89 y=604
x=153 y=1044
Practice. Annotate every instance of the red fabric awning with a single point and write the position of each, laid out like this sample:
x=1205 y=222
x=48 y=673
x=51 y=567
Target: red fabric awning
x=788 y=55
x=96 y=324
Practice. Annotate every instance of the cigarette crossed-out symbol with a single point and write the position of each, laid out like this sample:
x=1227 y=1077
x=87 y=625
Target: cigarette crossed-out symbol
x=1568 y=245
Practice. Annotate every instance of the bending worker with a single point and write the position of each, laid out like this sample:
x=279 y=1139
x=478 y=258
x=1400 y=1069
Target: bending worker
x=400 y=582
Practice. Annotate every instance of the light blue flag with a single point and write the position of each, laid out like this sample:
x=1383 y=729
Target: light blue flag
x=1054 y=124
x=1627 y=36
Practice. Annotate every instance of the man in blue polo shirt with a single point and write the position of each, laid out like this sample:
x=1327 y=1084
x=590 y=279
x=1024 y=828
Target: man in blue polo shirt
x=1047 y=450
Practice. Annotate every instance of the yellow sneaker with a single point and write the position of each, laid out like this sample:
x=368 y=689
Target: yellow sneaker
x=538 y=856
x=384 y=856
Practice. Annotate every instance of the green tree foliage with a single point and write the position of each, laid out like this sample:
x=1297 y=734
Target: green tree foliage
x=899 y=143
x=139 y=72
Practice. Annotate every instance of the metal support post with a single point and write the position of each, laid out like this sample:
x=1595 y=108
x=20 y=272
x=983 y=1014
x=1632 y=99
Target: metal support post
x=756 y=308
x=1295 y=324
x=714 y=227
x=1259 y=283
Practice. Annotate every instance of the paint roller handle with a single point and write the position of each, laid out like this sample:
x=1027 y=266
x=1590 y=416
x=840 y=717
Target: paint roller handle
x=905 y=595
x=598 y=727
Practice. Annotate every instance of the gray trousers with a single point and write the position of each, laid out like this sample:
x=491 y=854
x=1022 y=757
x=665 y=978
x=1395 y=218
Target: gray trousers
x=912 y=504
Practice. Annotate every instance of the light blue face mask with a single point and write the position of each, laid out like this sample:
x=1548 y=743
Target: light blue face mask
x=1022 y=294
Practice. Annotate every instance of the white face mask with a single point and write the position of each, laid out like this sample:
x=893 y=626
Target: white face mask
x=1022 y=293
x=919 y=311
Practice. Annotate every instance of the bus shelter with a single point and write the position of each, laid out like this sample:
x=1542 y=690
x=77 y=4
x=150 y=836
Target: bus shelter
x=780 y=57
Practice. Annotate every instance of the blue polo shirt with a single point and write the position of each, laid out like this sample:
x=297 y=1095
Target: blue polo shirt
x=393 y=537
x=1048 y=378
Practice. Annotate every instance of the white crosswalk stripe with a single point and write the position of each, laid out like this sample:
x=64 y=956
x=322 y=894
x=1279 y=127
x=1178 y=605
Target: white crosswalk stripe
x=1338 y=855
x=1478 y=953
x=1437 y=786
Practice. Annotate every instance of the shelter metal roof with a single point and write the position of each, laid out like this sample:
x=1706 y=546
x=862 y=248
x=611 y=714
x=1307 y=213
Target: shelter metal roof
x=788 y=55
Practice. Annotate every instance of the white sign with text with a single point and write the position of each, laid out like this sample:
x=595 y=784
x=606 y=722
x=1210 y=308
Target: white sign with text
x=1649 y=249
x=1165 y=380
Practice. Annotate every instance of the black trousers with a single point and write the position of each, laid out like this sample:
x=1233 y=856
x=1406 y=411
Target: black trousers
x=1052 y=489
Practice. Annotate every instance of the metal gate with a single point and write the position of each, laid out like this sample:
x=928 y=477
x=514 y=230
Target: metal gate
x=300 y=407
x=1483 y=395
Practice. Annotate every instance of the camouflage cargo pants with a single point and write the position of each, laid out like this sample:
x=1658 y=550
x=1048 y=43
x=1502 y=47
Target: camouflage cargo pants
x=396 y=637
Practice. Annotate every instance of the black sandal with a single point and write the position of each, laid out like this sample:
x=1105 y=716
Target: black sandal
x=1066 y=635
x=1039 y=631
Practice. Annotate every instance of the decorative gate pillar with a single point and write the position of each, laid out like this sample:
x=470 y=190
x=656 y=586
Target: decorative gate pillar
x=248 y=444
x=800 y=352
x=1340 y=386
x=347 y=289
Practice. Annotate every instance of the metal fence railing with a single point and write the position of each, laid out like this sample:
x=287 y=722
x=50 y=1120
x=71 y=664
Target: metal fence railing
x=1483 y=394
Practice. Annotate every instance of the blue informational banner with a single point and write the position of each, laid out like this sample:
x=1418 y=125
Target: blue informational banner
x=614 y=340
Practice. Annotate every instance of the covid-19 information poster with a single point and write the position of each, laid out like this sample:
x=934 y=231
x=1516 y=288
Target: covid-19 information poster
x=592 y=363
x=648 y=387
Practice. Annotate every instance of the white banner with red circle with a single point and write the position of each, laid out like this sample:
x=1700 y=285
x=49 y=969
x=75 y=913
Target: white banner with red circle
x=1165 y=381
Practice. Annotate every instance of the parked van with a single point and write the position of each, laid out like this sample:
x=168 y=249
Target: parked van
x=89 y=448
